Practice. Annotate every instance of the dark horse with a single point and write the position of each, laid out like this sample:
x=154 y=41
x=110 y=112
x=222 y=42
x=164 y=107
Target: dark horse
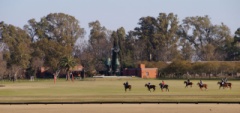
x=165 y=86
x=127 y=87
x=225 y=85
x=188 y=84
x=202 y=86
x=150 y=87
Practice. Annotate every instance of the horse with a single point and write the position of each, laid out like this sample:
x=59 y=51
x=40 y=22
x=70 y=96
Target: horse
x=187 y=84
x=127 y=87
x=225 y=85
x=150 y=87
x=165 y=86
x=202 y=86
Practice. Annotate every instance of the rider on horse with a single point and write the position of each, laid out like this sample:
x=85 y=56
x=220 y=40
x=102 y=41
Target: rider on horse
x=149 y=83
x=200 y=83
x=188 y=81
x=224 y=81
x=126 y=84
x=163 y=83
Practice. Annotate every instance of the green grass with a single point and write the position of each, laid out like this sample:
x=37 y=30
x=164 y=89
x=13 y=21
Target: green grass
x=111 y=90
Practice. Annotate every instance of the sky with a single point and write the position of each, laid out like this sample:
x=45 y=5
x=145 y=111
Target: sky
x=114 y=14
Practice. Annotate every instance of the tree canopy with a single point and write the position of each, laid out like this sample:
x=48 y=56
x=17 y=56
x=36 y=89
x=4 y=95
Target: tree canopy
x=54 y=39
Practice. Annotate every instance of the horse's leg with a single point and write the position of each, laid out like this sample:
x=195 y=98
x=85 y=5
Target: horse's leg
x=226 y=85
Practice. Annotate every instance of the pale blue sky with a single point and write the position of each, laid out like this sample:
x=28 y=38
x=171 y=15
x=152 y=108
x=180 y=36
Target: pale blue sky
x=120 y=13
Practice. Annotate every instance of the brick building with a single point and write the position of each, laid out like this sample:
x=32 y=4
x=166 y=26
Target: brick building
x=141 y=71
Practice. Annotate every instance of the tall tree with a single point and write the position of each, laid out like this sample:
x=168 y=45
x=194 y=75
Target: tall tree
x=115 y=53
x=206 y=39
x=131 y=50
x=59 y=32
x=3 y=66
x=233 y=47
x=145 y=34
x=166 y=39
x=121 y=35
x=100 y=45
x=158 y=37
x=17 y=47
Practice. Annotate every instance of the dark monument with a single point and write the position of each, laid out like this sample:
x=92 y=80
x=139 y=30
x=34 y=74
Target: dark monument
x=113 y=64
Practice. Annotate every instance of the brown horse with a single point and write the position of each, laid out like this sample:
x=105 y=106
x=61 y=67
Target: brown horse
x=127 y=87
x=202 y=86
x=165 y=86
x=225 y=85
x=188 y=84
x=150 y=87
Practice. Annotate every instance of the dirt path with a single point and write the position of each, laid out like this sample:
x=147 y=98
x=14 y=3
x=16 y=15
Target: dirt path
x=122 y=108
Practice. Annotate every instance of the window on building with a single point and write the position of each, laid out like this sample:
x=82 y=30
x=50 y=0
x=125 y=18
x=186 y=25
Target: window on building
x=147 y=73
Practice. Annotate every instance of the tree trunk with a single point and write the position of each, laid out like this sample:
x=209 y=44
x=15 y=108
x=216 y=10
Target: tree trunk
x=55 y=75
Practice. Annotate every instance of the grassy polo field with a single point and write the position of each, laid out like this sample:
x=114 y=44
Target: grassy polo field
x=111 y=90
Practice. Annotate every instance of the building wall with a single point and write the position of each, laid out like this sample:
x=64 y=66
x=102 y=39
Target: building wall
x=130 y=72
x=141 y=72
x=149 y=73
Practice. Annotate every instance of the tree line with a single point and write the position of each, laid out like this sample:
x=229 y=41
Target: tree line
x=198 y=69
x=57 y=42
